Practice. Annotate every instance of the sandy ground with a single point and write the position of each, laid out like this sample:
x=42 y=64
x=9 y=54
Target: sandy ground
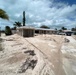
x=39 y=55
x=74 y=36
x=69 y=56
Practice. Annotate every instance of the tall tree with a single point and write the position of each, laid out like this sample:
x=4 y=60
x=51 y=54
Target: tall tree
x=8 y=30
x=63 y=28
x=73 y=29
x=17 y=24
x=24 y=18
x=3 y=14
x=44 y=26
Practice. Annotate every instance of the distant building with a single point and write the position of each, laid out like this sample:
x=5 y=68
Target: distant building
x=30 y=32
x=13 y=31
x=68 y=32
x=45 y=31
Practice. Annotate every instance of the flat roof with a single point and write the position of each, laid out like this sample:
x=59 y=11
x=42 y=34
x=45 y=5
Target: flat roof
x=45 y=29
x=67 y=31
x=25 y=27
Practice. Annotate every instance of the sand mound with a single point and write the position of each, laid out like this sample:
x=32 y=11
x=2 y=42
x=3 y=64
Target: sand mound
x=39 y=55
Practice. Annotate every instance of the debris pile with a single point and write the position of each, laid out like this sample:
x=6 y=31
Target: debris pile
x=30 y=62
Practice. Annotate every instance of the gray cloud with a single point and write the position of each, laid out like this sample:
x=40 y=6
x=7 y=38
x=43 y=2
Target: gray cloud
x=39 y=12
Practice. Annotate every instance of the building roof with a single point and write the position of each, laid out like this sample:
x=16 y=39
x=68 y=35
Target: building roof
x=45 y=29
x=67 y=31
x=25 y=27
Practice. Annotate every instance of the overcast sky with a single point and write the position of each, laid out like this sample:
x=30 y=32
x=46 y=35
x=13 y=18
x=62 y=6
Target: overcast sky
x=53 y=13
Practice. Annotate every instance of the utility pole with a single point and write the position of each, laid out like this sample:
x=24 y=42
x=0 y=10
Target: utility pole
x=24 y=18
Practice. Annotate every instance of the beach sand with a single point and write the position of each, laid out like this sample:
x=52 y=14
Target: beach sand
x=39 y=55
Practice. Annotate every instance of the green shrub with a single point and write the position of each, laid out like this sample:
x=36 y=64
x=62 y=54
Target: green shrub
x=8 y=30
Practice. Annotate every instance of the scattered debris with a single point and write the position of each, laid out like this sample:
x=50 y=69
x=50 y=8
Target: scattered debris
x=29 y=63
x=66 y=40
x=17 y=44
x=24 y=48
x=1 y=39
x=1 y=49
x=10 y=39
x=30 y=52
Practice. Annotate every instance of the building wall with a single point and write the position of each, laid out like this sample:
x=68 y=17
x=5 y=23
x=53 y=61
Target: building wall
x=13 y=31
x=26 y=32
x=29 y=32
x=45 y=32
x=20 y=32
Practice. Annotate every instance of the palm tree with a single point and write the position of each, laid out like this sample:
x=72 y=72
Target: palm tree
x=17 y=24
x=3 y=14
